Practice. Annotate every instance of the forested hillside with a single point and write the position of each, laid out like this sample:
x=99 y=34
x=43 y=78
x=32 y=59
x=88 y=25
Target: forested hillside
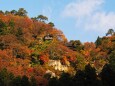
x=33 y=52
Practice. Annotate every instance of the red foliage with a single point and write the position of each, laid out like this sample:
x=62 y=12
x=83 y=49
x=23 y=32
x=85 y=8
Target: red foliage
x=44 y=58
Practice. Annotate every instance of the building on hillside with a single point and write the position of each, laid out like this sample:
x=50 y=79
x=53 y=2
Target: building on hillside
x=58 y=66
x=48 y=37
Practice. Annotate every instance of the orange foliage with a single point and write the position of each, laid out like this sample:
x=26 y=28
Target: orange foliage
x=44 y=58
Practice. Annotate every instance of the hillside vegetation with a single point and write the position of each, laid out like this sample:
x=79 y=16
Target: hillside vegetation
x=33 y=52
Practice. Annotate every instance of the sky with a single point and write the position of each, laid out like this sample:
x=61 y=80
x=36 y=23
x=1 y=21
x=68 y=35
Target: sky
x=83 y=20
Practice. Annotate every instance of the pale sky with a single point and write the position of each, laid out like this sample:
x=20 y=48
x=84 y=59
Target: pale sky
x=83 y=20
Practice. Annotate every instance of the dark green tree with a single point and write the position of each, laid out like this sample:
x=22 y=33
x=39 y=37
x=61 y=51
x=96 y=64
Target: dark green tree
x=98 y=41
x=14 y=12
x=79 y=78
x=34 y=18
x=112 y=60
x=5 y=77
x=16 y=81
x=2 y=27
x=110 y=32
x=19 y=35
x=25 y=81
x=19 y=32
x=1 y=12
x=33 y=81
x=53 y=82
x=91 y=77
x=51 y=24
x=76 y=45
x=7 y=12
x=42 y=18
x=21 y=12
x=107 y=76
x=65 y=80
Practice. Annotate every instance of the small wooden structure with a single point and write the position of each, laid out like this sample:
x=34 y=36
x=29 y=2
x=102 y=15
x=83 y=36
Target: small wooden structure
x=48 y=37
x=69 y=45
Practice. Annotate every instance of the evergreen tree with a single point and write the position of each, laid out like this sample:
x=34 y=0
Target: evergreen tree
x=98 y=41
x=107 y=76
x=112 y=60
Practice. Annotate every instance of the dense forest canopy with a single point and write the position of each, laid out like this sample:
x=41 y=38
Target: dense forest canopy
x=33 y=52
